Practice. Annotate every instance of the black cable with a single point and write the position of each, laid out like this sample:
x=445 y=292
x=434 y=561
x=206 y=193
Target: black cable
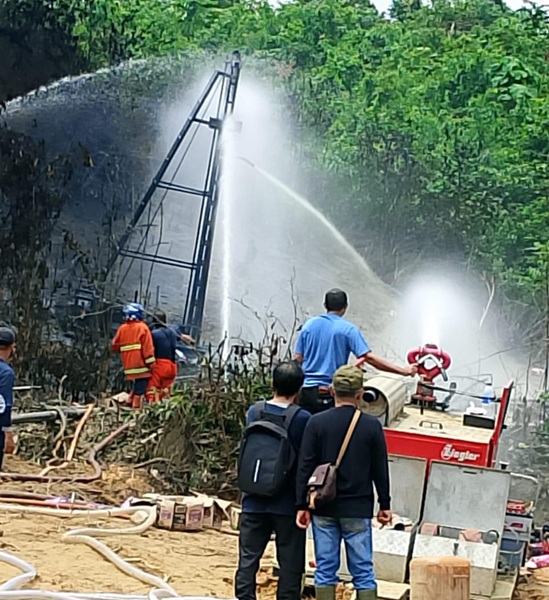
x=455 y=392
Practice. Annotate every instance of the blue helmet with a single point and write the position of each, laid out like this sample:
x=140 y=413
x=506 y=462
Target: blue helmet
x=133 y=311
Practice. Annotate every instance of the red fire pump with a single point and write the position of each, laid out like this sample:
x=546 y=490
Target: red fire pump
x=431 y=362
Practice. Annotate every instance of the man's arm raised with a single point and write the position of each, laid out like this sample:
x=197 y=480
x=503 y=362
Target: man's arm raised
x=382 y=364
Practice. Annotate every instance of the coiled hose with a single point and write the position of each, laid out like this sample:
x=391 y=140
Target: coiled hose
x=11 y=590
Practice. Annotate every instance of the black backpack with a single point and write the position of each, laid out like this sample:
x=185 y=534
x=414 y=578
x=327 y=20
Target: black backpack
x=267 y=455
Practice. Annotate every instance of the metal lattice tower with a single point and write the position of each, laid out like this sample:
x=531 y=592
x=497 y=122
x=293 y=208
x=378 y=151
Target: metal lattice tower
x=222 y=87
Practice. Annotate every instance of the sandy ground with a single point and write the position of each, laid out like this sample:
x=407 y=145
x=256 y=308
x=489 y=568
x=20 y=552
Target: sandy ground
x=200 y=564
x=194 y=563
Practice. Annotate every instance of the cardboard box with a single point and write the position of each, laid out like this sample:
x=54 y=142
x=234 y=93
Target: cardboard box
x=215 y=510
x=177 y=515
x=166 y=512
x=235 y=514
x=213 y=514
x=190 y=517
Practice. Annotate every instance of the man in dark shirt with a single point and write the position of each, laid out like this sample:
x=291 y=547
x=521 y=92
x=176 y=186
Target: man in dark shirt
x=348 y=517
x=7 y=379
x=165 y=366
x=261 y=516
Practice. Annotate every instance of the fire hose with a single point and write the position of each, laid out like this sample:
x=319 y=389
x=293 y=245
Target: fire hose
x=34 y=503
x=88 y=536
x=11 y=590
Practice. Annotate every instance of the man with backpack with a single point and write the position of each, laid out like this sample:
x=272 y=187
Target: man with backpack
x=266 y=476
x=343 y=455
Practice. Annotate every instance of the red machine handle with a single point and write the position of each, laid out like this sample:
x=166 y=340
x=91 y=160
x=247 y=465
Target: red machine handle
x=423 y=354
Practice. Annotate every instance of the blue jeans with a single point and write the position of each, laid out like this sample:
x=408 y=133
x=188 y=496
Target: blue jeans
x=357 y=536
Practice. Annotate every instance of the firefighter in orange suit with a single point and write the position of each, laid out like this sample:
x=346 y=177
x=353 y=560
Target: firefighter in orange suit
x=134 y=342
x=165 y=368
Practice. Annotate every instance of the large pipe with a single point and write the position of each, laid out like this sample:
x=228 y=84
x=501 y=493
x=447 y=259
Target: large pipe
x=384 y=397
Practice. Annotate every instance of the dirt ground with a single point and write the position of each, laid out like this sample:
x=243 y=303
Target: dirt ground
x=194 y=563
x=117 y=482
x=199 y=564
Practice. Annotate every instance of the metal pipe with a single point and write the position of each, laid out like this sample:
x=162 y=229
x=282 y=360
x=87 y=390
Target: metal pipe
x=161 y=171
x=46 y=415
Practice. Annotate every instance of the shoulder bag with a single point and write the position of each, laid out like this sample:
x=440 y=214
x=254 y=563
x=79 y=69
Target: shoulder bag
x=322 y=485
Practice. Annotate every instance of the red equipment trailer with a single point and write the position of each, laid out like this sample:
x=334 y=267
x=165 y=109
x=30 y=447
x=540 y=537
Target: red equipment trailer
x=436 y=435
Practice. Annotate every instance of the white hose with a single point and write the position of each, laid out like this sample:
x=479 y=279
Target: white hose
x=24 y=594
x=85 y=536
x=41 y=594
x=29 y=572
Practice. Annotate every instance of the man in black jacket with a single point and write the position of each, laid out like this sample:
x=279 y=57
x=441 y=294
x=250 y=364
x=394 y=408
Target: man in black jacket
x=262 y=516
x=348 y=517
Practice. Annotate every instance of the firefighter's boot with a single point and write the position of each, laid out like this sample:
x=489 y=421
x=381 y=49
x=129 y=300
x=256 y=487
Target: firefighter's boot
x=325 y=592
x=366 y=594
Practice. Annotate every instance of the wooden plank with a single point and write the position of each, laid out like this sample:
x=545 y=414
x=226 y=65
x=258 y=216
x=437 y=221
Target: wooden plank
x=387 y=590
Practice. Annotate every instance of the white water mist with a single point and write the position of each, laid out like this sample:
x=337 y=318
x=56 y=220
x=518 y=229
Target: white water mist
x=225 y=217
x=444 y=307
x=276 y=254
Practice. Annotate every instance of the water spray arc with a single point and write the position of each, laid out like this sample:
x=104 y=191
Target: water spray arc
x=359 y=260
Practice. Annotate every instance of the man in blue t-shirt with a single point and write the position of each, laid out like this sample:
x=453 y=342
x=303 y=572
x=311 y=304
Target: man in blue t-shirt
x=263 y=516
x=7 y=379
x=325 y=344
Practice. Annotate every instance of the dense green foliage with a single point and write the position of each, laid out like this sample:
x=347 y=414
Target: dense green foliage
x=437 y=120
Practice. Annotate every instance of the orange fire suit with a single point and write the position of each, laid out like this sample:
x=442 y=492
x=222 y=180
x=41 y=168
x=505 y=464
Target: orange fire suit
x=163 y=376
x=165 y=367
x=133 y=341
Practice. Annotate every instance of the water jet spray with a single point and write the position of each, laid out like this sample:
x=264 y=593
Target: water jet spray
x=359 y=260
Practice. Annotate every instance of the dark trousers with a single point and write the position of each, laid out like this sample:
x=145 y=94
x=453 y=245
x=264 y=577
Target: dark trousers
x=315 y=401
x=255 y=533
x=2 y=442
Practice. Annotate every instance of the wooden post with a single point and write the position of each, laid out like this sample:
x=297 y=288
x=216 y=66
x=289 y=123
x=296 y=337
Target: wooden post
x=440 y=578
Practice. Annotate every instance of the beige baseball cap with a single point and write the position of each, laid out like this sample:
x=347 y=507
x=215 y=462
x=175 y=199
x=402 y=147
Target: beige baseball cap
x=348 y=379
